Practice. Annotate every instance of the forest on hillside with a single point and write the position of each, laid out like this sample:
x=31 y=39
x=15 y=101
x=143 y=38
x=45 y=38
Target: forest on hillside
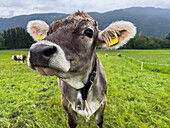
x=144 y=42
x=16 y=38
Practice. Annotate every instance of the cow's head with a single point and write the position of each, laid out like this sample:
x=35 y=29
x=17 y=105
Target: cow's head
x=67 y=47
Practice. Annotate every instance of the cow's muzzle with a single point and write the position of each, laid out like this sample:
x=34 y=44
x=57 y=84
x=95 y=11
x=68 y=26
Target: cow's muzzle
x=40 y=54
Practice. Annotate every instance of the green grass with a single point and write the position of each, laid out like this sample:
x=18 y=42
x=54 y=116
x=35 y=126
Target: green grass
x=149 y=56
x=135 y=98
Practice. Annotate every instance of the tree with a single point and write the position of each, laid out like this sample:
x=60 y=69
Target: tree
x=2 y=42
x=168 y=36
x=16 y=38
x=8 y=39
x=143 y=42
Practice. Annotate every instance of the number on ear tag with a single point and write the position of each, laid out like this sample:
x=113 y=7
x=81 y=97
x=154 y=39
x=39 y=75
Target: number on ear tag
x=114 y=41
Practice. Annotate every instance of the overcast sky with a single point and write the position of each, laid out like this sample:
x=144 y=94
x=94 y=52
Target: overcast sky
x=10 y=8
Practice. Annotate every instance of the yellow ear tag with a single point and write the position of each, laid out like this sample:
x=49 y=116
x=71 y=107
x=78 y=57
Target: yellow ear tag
x=114 y=41
x=40 y=37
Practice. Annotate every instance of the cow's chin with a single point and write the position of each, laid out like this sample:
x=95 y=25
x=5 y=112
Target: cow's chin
x=46 y=71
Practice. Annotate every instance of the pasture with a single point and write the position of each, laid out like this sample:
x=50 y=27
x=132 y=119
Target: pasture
x=135 y=98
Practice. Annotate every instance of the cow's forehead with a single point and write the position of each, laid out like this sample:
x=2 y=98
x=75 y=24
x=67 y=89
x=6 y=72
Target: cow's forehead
x=73 y=20
x=80 y=15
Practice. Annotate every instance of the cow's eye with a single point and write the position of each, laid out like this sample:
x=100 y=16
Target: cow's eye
x=88 y=33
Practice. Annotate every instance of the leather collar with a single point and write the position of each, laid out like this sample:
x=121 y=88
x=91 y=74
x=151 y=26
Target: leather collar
x=85 y=89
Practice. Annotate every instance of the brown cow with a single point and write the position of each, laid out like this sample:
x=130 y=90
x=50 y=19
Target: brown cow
x=19 y=58
x=119 y=55
x=106 y=55
x=67 y=49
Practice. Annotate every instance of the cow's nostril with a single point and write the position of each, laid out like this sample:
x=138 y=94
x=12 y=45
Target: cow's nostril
x=49 y=51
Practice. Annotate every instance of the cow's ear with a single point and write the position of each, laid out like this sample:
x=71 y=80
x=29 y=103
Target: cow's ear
x=117 y=34
x=37 y=29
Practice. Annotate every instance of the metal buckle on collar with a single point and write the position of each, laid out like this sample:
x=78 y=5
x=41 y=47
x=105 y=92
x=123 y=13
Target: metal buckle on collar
x=79 y=101
x=92 y=76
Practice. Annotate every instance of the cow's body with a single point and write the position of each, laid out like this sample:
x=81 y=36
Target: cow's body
x=68 y=50
x=19 y=58
x=119 y=55
x=96 y=96
x=106 y=55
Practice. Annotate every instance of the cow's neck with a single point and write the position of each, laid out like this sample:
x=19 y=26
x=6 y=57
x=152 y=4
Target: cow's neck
x=83 y=82
x=91 y=76
x=78 y=81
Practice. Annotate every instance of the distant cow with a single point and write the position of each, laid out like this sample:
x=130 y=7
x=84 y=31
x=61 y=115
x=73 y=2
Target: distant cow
x=106 y=55
x=19 y=58
x=119 y=55
x=67 y=49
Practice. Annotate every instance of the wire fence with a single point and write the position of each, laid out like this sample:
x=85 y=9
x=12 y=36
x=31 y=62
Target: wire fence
x=142 y=63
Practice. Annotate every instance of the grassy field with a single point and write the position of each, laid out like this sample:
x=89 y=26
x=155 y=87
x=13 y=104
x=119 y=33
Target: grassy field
x=135 y=98
x=153 y=57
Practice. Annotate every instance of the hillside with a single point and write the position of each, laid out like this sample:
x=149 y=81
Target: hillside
x=149 y=21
